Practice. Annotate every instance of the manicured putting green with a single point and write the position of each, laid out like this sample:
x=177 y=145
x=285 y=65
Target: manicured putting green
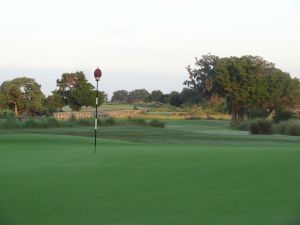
x=50 y=179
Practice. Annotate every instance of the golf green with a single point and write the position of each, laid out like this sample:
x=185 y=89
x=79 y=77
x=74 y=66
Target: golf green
x=50 y=179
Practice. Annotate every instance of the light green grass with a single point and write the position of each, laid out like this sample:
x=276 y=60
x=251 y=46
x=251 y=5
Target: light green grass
x=104 y=107
x=192 y=172
x=111 y=107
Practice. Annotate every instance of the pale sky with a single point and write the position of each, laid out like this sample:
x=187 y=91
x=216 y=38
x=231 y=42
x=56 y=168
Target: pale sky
x=141 y=44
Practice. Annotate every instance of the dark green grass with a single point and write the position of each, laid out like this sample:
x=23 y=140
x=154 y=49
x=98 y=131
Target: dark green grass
x=56 y=179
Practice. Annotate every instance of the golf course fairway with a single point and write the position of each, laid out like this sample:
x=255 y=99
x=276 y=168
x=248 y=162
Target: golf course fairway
x=48 y=179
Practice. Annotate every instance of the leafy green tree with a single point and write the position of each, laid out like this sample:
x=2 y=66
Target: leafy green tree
x=276 y=91
x=76 y=91
x=54 y=103
x=138 y=95
x=175 y=98
x=120 y=96
x=235 y=85
x=203 y=76
x=165 y=98
x=104 y=96
x=217 y=103
x=191 y=96
x=156 y=96
x=22 y=95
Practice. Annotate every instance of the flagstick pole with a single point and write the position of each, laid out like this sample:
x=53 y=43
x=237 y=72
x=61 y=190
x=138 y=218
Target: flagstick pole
x=96 y=119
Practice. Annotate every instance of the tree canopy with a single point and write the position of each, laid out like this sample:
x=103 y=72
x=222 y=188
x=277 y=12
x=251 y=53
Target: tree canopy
x=241 y=86
x=245 y=82
x=138 y=95
x=54 y=103
x=22 y=95
x=76 y=91
x=175 y=98
x=120 y=96
x=156 y=96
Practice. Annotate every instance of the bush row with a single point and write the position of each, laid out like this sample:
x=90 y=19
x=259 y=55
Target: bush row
x=290 y=127
x=10 y=122
x=260 y=126
x=6 y=114
x=143 y=122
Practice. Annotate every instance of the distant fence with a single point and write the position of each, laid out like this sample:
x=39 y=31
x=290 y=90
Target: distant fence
x=86 y=115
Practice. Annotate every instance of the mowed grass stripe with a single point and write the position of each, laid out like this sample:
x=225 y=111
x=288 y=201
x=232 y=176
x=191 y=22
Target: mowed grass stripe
x=216 y=133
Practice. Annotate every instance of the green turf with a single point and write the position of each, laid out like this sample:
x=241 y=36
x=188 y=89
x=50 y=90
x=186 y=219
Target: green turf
x=192 y=172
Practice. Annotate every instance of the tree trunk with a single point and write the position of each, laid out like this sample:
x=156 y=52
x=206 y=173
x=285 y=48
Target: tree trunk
x=241 y=115
x=234 y=116
x=30 y=113
x=16 y=109
x=237 y=115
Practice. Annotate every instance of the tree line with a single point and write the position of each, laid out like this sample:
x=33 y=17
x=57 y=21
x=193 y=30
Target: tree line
x=242 y=86
x=23 y=95
x=187 y=96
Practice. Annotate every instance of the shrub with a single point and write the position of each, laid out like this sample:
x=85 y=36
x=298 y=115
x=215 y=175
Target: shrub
x=261 y=127
x=36 y=124
x=210 y=117
x=282 y=115
x=52 y=122
x=192 y=118
x=6 y=114
x=245 y=125
x=137 y=121
x=66 y=123
x=109 y=122
x=72 y=118
x=31 y=124
x=291 y=127
x=157 y=123
x=280 y=128
x=86 y=122
x=10 y=123
x=143 y=122
x=294 y=129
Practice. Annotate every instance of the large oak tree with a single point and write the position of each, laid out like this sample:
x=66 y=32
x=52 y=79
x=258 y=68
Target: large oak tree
x=22 y=95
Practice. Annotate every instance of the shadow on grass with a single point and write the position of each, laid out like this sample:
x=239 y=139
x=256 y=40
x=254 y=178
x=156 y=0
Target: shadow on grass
x=295 y=221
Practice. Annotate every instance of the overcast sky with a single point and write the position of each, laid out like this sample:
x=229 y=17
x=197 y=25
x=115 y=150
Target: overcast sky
x=141 y=44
